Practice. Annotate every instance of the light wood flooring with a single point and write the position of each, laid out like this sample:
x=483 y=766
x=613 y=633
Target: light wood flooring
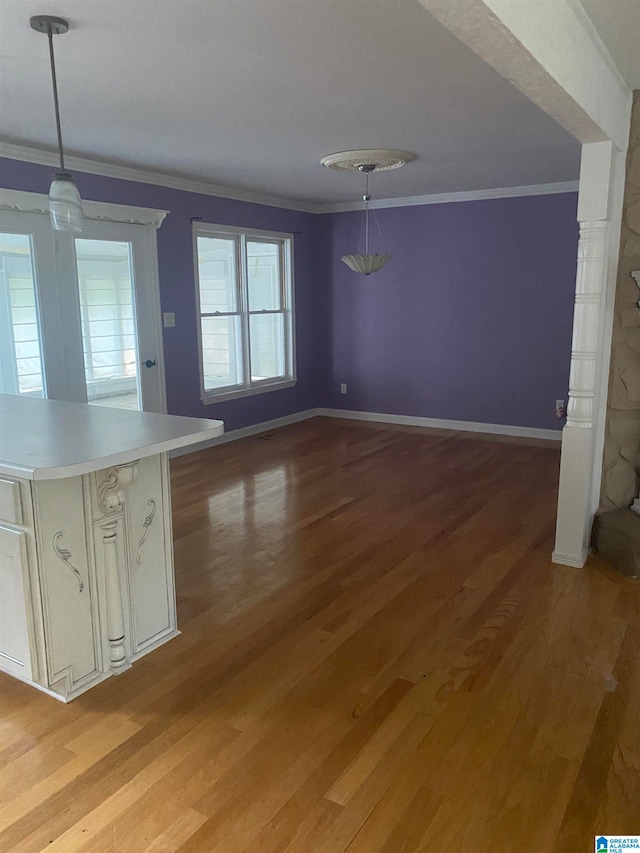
x=377 y=655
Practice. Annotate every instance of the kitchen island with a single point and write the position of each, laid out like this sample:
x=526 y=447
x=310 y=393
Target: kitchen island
x=86 y=549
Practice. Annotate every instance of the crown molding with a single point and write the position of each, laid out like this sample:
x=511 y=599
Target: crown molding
x=27 y=202
x=144 y=176
x=448 y=198
x=127 y=173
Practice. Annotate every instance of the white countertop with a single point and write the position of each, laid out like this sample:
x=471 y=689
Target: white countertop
x=49 y=439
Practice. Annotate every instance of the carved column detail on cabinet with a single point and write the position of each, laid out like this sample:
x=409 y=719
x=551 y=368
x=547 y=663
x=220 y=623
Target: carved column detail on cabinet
x=111 y=491
x=111 y=495
x=115 y=613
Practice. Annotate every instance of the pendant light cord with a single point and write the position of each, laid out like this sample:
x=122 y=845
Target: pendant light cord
x=55 y=95
x=366 y=213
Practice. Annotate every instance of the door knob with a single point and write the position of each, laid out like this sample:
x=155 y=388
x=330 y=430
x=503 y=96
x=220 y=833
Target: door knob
x=149 y=363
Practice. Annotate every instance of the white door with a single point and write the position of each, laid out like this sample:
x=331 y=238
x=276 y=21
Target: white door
x=80 y=314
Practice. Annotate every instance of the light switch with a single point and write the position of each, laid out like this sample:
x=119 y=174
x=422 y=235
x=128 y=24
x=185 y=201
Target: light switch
x=169 y=319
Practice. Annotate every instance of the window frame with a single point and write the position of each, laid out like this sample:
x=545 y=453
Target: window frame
x=240 y=237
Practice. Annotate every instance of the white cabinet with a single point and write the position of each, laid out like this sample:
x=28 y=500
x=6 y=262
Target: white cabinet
x=67 y=587
x=97 y=591
x=86 y=557
x=10 y=501
x=151 y=588
x=15 y=650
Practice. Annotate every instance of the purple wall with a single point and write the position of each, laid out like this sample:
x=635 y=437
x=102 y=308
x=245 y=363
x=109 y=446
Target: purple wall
x=177 y=291
x=471 y=319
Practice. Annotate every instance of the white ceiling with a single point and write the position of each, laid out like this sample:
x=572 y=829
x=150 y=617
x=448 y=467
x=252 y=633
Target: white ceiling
x=250 y=94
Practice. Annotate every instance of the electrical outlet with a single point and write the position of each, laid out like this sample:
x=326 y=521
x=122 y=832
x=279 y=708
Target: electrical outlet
x=561 y=412
x=169 y=319
x=343 y=388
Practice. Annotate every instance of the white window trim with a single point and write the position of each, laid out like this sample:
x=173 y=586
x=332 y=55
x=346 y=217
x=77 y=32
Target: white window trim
x=26 y=202
x=207 y=229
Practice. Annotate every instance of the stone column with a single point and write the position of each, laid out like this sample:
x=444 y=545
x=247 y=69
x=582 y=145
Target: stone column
x=616 y=531
x=620 y=484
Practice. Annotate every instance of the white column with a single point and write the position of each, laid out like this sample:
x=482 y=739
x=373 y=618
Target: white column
x=586 y=323
x=574 y=497
x=582 y=437
x=111 y=488
x=115 y=613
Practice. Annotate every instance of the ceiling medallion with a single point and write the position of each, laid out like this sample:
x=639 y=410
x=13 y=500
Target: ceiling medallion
x=382 y=159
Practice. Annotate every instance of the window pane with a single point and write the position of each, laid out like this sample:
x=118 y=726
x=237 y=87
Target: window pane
x=20 y=355
x=108 y=335
x=221 y=352
x=263 y=274
x=217 y=274
x=267 y=346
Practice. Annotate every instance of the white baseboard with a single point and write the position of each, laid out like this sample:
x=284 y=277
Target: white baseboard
x=438 y=423
x=244 y=432
x=566 y=560
x=377 y=417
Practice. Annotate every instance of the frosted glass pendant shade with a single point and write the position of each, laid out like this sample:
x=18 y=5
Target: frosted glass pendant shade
x=65 y=204
x=366 y=264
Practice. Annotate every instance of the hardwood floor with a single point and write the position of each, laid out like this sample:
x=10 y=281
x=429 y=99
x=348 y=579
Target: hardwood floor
x=377 y=655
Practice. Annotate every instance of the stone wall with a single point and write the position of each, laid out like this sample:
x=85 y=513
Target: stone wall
x=621 y=471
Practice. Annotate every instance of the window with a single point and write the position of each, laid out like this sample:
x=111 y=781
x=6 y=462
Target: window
x=80 y=314
x=107 y=315
x=245 y=296
x=20 y=346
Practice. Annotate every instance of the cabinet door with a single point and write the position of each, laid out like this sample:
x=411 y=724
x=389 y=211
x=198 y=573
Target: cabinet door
x=15 y=603
x=67 y=581
x=151 y=556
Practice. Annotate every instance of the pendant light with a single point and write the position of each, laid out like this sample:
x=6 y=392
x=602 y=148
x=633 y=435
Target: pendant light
x=65 y=204
x=366 y=263
x=366 y=161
